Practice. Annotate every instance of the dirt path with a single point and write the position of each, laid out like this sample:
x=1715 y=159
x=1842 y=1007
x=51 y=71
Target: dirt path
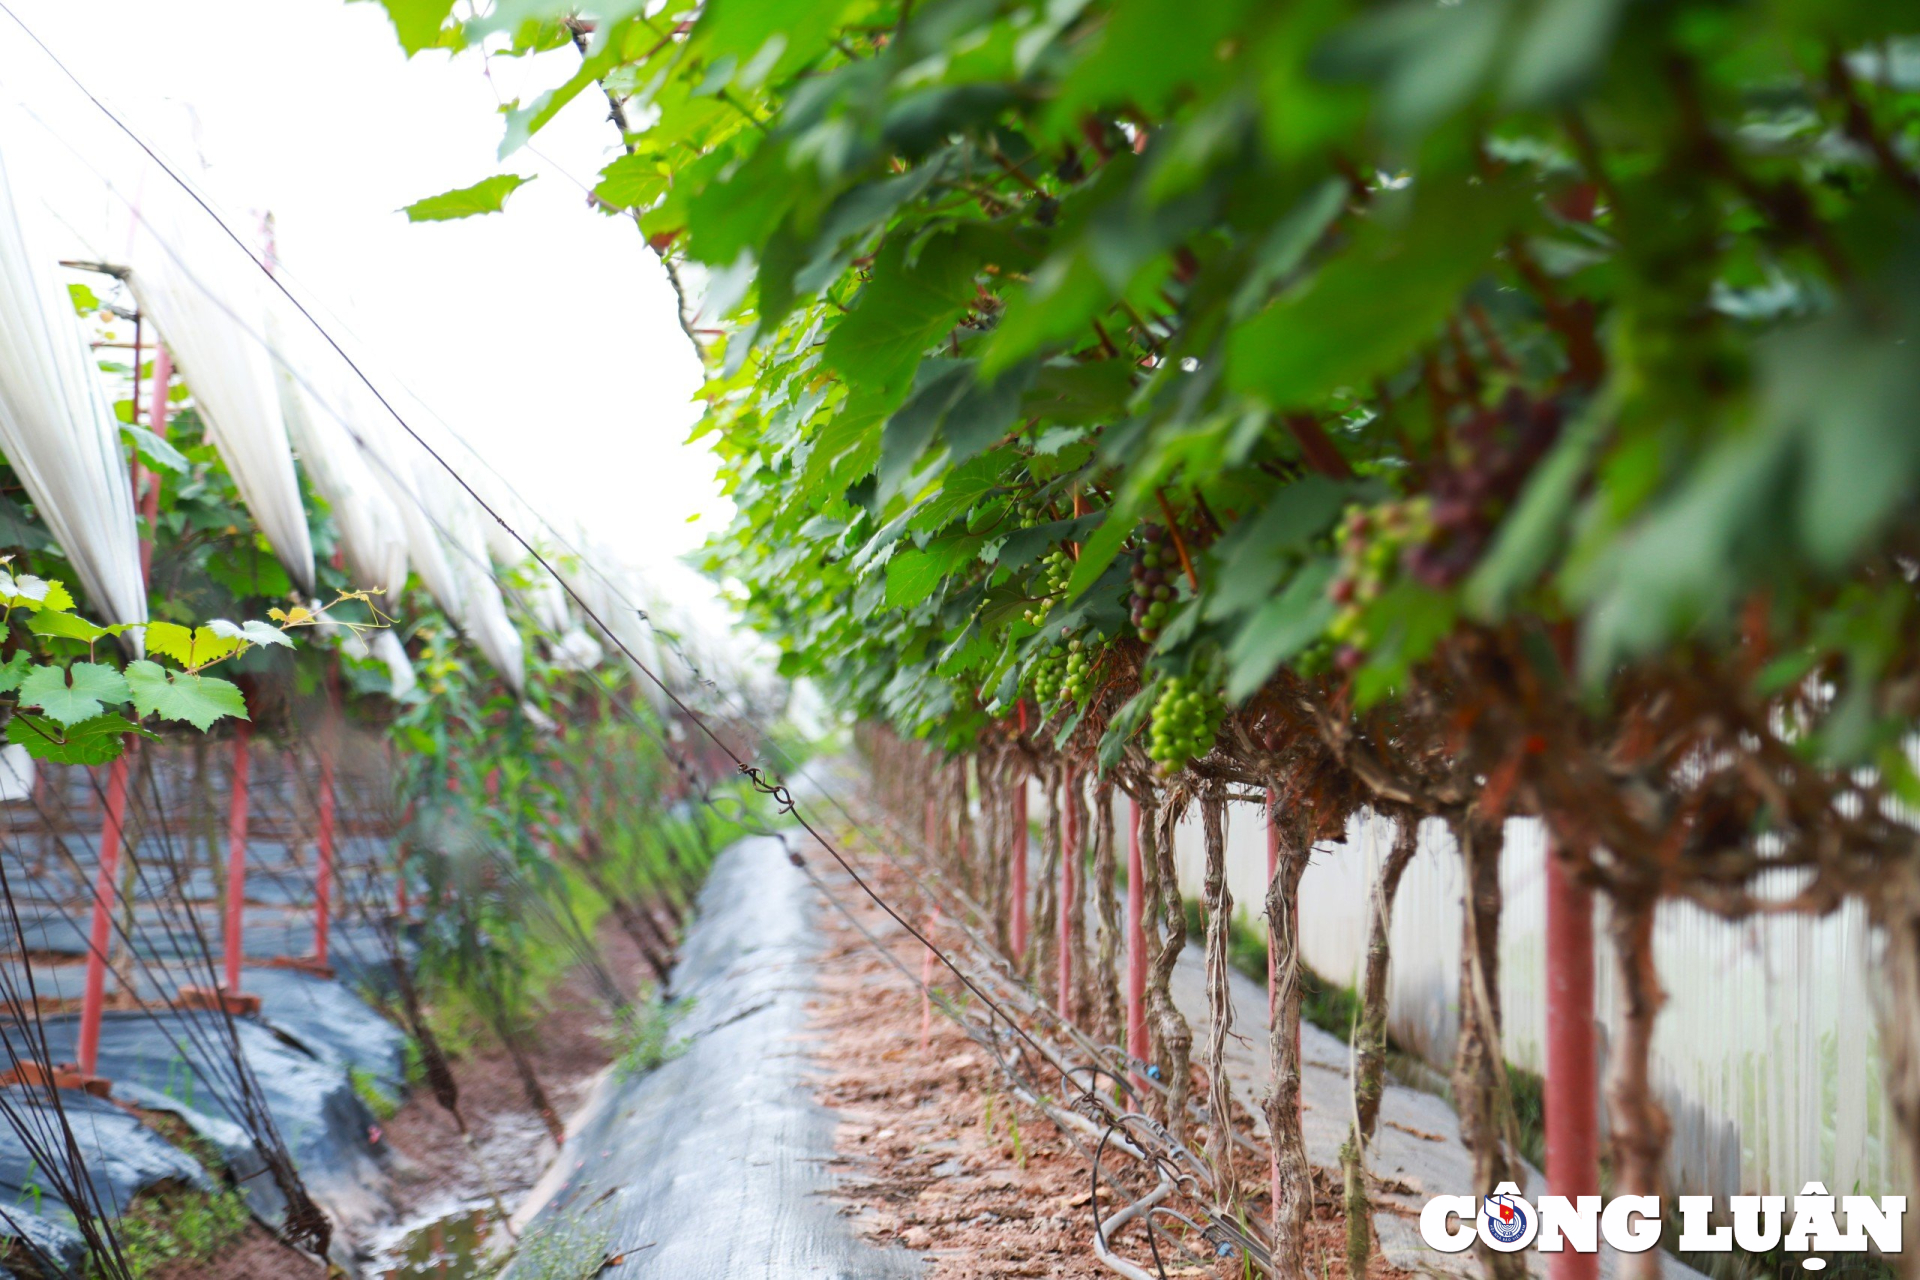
x=937 y=1157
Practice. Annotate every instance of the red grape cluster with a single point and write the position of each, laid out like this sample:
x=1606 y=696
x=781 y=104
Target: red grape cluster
x=1371 y=542
x=1501 y=446
x=1153 y=566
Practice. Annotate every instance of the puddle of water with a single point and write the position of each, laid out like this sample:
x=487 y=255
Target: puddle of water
x=451 y=1248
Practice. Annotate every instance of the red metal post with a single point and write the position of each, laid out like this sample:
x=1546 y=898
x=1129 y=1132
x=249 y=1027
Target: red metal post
x=1273 y=865
x=1017 y=888
x=323 y=840
x=1136 y=943
x=237 y=855
x=93 y=999
x=1273 y=986
x=149 y=497
x=1572 y=1098
x=1069 y=851
x=112 y=833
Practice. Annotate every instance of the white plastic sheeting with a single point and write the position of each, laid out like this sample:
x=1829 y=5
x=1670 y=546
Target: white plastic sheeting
x=203 y=294
x=606 y=593
x=1766 y=1056
x=484 y=620
x=373 y=537
x=58 y=430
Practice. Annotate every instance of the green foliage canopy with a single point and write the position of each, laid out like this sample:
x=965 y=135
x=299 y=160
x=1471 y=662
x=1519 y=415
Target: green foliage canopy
x=1589 y=318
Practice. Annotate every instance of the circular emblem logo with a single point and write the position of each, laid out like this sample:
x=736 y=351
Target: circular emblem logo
x=1506 y=1220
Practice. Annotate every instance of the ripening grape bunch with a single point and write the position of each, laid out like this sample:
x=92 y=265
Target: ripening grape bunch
x=1186 y=717
x=1152 y=582
x=1372 y=541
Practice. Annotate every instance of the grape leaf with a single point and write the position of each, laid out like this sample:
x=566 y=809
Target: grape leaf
x=28 y=592
x=71 y=626
x=181 y=695
x=14 y=670
x=92 y=685
x=417 y=22
x=906 y=307
x=153 y=450
x=94 y=741
x=190 y=648
x=486 y=196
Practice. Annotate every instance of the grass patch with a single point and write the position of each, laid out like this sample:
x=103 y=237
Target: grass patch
x=367 y=1087
x=178 y=1225
x=565 y=1248
x=644 y=1041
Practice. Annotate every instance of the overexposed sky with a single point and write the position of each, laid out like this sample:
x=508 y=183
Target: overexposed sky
x=544 y=336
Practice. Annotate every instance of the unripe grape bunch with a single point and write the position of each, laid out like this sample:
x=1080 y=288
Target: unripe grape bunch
x=1056 y=571
x=1064 y=674
x=1186 y=717
x=1153 y=595
x=1078 y=679
x=1047 y=676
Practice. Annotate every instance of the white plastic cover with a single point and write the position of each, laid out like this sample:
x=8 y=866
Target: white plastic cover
x=58 y=430
x=204 y=295
x=485 y=622
x=387 y=648
x=606 y=592
x=373 y=536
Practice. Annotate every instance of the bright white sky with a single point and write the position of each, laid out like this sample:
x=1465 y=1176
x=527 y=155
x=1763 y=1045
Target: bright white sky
x=545 y=336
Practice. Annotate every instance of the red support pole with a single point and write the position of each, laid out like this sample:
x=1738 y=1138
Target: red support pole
x=1572 y=1094
x=1273 y=985
x=93 y=1000
x=146 y=495
x=1069 y=850
x=1273 y=865
x=1136 y=945
x=323 y=876
x=237 y=856
x=149 y=497
x=1017 y=888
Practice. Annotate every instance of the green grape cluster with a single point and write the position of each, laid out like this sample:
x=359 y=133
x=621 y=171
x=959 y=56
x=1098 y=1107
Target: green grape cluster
x=1371 y=543
x=1056 y=571
x=1047 y=676
x=1152 y=582
x=1078 y=679
x=1186 y=717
